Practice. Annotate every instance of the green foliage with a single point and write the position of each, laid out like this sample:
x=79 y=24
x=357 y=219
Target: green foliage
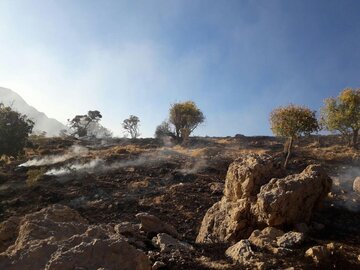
x=131 y=126
x=15 y=129
x=342 y=114
x=293 y=121
x=185 y=117
x=80 y=123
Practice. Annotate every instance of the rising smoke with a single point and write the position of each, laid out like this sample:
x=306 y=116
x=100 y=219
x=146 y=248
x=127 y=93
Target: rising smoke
x=100 y=165
x=346 y=197
x=74 y=151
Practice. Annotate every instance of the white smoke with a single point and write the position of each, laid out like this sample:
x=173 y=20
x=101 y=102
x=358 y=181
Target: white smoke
x=77 y=167
x=147 y=159
x=74 y=151
x=344 y=195
x=199 y=165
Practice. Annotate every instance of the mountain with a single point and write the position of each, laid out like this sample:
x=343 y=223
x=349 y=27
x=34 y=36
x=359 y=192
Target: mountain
x=51 y=126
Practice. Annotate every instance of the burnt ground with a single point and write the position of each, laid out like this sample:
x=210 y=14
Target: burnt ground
x=178 y=185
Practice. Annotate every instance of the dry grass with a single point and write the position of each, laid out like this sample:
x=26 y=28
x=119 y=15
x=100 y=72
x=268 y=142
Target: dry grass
x=334 y=153
x=34 y=175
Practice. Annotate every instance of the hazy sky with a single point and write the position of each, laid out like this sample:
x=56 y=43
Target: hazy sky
x=236 y=59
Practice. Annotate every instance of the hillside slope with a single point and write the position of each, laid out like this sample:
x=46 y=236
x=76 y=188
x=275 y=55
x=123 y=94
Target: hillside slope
x=51 y=126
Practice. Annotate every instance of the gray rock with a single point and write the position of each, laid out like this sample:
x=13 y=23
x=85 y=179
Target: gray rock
x=291 y=240
x=168 y=244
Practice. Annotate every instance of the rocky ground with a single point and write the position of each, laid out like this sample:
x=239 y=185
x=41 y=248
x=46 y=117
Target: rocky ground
x=122 y=204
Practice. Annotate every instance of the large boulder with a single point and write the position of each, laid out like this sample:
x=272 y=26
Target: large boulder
x=225 y=221
x=229 y=219
x=291 y=200
x=247 y=174
x=254 y=198
x=57 y=237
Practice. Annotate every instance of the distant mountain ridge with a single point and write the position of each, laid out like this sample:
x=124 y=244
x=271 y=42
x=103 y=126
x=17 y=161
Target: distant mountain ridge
x=51 y=126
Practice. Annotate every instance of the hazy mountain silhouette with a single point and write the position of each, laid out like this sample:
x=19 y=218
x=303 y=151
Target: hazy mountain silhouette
x=51 y=126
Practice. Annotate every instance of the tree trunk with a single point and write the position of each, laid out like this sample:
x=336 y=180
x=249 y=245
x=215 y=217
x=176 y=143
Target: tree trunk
x=288 y=152
x=355 y=138
x=177 y=134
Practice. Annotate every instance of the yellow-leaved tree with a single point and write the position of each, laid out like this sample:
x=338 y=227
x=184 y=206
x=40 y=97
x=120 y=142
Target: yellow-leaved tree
x=185 y=117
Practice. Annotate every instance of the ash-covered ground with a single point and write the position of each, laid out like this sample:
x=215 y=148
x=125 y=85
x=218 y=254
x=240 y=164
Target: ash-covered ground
x=109 y=182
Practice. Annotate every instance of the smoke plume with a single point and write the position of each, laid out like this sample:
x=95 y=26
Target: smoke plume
x=74 y=151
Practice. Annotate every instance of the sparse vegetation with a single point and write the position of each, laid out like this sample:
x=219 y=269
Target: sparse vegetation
x=34 y=175
x=131 y=126
x=15 y=129
x=342 y=114
x=293 y=121
x=185 y=117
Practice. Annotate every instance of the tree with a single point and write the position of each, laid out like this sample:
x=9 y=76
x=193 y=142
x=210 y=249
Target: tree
x=164 y=130
x=80 y=123
x=185 y=117
x=131 y=126
x=15 y=129
x=293 y=121
x=342 y=114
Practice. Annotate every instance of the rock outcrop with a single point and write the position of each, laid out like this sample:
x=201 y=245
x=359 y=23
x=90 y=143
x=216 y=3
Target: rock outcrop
x=229 y=219
x=254 y=197
x=292 y=199
x=57 y=237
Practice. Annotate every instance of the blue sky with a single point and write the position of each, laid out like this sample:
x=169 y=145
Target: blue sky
x=236 y=59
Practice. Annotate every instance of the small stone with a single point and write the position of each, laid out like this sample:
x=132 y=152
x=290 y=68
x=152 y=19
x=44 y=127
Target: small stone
x=152 y=224
x=318 y=254
x=291 y=240
x=241 y=251
x=126 y=228
x=168 y=244
x=265 y=239
x=331 y=246
x=157 y=265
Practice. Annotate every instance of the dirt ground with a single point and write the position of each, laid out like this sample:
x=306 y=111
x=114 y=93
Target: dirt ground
x=177 y=184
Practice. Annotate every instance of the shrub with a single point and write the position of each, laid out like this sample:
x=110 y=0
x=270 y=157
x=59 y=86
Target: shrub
x=15 y=129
